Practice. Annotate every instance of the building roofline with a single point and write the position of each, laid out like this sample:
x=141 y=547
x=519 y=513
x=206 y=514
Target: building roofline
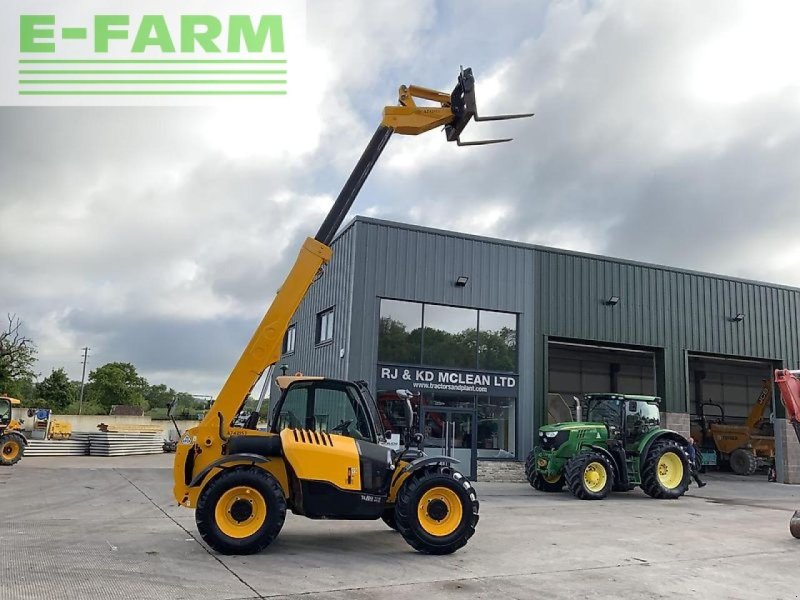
x=549 y=249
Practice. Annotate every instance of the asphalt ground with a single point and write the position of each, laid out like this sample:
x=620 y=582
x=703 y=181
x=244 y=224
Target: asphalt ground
x=108 y=528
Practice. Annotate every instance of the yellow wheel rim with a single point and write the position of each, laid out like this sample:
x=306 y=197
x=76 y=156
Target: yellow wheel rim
x=552 y=478
x=439 y=511
x=10 y=450
x=240 y=512
x=670 y=470
x=595 y=477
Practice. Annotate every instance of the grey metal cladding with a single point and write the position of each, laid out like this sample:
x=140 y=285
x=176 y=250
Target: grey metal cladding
x=557 y=293
x=333 y=289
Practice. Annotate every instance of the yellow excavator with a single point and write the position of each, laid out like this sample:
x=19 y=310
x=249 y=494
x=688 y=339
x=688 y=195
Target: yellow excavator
x=324 y=454
x=12 y=442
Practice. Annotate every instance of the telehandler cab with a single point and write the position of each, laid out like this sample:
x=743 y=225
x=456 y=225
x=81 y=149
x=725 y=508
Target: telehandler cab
x=323 y=454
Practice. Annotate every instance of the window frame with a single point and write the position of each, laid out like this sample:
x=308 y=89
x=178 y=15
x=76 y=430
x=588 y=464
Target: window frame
x=318 y=329
x=285 y=351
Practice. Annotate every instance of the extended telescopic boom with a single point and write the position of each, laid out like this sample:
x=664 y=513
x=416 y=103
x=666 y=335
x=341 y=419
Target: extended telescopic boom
x=454 y=113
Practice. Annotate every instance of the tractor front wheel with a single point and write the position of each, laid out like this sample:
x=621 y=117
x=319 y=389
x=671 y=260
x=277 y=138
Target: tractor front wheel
x=548 y=484
x=589 y=476
x=12 y=448
x=436 y=510
x=241 y=511
x=665 y=472
x=743 y=461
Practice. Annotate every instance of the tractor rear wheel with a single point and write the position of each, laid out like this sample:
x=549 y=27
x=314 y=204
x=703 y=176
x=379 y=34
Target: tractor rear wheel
x=241 y=511
x=665 y=471
x=436 y=510
x=12 y=448
x=589 y=476
x=743 y=461
x=389 y=518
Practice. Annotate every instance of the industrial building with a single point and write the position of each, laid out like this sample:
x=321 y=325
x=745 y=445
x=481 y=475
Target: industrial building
x=499 y=336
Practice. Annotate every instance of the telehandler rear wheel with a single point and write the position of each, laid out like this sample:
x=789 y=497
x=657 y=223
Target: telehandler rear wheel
x=665 y=471
x=589 y=476
x=436 y=510
x=241 y=511
x=389 y=518
x=11 y=449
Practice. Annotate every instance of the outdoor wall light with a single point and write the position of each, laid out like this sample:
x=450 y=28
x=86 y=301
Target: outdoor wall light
x=462 y=281
x=612 y=301
x=738 y=318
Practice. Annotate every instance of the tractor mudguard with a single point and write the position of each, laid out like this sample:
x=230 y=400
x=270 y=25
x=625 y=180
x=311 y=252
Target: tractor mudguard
x=252 y=458
x=659 y=434
x=19 y=436
x=419 y=463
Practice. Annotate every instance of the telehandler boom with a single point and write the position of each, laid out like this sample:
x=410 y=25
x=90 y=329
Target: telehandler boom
x=241 y=480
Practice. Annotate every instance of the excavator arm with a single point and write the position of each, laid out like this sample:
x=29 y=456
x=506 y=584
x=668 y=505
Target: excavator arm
x=454 y=111
x=788 y=383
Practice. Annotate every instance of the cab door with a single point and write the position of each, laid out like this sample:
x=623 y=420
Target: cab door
x=331 y=449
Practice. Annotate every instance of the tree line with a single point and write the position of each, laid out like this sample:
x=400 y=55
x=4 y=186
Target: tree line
x=115 y=383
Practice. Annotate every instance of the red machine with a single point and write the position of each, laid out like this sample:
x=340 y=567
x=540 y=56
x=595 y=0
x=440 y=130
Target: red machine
x=789 y=384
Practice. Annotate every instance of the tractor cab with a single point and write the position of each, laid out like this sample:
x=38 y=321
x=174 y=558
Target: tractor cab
x=627 y=417
x=6 y=402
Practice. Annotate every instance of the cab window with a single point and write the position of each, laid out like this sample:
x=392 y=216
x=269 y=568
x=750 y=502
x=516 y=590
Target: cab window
x=330 y=408
x=5 y=410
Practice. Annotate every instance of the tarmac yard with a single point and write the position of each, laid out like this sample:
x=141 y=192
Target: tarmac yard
x=108 y=528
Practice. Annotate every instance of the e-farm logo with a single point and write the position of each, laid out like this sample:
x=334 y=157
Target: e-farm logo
x=174 y=52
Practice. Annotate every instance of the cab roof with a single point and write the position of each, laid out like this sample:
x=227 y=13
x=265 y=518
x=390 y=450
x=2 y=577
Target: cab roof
x=284 y=381
x=13 y=401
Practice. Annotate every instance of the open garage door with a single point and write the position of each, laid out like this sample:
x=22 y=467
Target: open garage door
x=732 y=408
x=575 y=369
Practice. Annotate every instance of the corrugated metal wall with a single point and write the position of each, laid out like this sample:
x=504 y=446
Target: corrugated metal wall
x=557 y=294
x=334 y=289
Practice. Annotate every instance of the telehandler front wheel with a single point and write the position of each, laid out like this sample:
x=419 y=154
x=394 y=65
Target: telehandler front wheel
x=436 y=510
x=241 y=511
x=11 y=449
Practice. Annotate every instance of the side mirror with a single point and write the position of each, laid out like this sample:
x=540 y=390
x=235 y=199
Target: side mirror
x=409 y=414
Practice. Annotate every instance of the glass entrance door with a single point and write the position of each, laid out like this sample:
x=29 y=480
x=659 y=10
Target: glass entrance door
x=451 y=432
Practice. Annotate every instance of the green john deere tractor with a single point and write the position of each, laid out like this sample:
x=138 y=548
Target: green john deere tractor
x=619 y=446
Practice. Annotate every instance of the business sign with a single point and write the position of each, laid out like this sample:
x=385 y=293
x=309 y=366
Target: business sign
x=149 y=52
x=427 y=379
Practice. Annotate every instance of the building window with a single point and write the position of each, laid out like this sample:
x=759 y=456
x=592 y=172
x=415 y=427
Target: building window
x=289 y=340
x=497 y=341
x=325 y=326
x=496 y=427
x=450 y=337
x=400 y=332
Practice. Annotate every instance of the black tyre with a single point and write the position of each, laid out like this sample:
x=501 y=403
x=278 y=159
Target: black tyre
x=548 y=484
x=589 y=476
x=743 y=461
x=241 y=511
x=665 y=471
x=436 y=510
x=389 y=518
x=530 y=468
x=12 y=449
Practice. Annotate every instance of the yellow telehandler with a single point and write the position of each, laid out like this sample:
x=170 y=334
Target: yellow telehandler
x=12 y=442
x=325 y=452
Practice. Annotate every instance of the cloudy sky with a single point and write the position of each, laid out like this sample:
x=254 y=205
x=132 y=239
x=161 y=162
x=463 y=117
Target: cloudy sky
x=664 y=132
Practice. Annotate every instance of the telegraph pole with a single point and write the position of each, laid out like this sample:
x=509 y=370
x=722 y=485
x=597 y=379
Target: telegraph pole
x=83 y=378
